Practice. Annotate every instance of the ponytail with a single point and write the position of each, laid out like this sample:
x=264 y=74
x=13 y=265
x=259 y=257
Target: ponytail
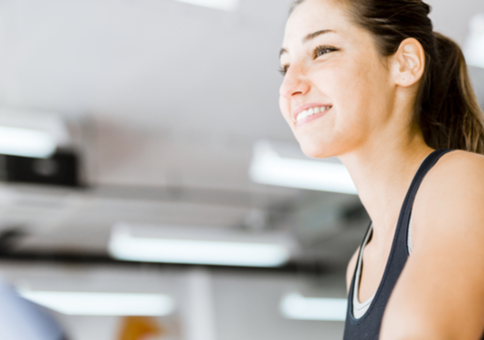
x=449 y=114
x=446 y=108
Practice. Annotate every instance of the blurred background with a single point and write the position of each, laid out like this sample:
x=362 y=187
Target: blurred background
x=150 y=188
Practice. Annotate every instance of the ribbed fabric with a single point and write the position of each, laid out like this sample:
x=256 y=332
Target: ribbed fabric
x=368 y=326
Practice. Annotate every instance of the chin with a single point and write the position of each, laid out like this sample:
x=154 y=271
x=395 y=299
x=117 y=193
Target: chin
x=317 y=149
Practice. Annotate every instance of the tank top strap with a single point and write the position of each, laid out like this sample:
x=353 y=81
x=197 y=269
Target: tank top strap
x=406 y=211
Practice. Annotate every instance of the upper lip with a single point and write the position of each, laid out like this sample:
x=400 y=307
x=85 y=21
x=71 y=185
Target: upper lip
x=304 y=107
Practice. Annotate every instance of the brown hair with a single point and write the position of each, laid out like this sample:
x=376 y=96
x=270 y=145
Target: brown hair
x=446 y=109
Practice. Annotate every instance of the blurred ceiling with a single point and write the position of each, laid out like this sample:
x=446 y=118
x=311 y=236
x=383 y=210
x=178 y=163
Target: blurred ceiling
x=171 y=98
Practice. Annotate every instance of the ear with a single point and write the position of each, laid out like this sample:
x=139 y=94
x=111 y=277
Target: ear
x=409 y=63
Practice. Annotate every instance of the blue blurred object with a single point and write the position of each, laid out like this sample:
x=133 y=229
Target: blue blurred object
x=21 y=319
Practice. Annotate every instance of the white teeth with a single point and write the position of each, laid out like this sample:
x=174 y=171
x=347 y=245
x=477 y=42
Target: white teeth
x=311 y=111
x=302 y=115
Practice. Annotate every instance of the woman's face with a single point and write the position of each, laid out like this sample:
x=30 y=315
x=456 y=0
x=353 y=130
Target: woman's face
x=337 y=92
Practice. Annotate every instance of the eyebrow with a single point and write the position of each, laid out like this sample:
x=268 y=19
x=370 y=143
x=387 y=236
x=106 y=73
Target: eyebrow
x=309 y=37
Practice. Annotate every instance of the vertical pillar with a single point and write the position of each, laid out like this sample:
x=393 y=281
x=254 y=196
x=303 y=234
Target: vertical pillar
x=199 y=308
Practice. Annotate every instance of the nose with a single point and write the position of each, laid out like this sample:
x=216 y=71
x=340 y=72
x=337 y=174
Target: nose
x=294 y=83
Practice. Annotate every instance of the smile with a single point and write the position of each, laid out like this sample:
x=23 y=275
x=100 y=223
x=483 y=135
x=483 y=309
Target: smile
x=310 y=112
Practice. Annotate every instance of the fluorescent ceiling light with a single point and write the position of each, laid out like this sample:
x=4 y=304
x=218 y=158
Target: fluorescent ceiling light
x=176 y=246
x=82 y=303
x=474 y=50
x=295 y=306
x=225 y=5
x=25 y=142
x=267 y=167
x=31 y=133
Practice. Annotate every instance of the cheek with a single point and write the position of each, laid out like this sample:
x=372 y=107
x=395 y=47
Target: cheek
x=360 y=90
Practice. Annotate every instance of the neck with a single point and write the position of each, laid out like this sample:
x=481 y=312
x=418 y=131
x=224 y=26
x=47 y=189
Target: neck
x=382 y=173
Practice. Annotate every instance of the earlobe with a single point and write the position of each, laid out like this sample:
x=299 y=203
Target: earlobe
x=410 y=62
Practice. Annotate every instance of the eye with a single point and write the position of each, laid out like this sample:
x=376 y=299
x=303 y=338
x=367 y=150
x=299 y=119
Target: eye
x=321 y=50
x=283 y=69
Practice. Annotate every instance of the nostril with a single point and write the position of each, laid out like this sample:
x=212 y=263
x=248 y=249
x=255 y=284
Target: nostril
x=290 y=89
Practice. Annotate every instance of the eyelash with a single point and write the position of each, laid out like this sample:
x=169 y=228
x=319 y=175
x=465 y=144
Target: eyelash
x=316 y=54
x=326 y=49
x=283 y=70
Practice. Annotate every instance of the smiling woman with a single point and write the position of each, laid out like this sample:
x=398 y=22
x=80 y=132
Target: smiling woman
x=369 y=82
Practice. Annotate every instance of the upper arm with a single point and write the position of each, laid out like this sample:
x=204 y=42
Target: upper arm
x=350 y=270
x=440 y=294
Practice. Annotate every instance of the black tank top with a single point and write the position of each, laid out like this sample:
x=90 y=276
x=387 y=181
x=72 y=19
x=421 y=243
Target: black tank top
x=368 y=326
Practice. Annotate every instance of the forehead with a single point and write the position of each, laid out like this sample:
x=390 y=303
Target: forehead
x=312 y=16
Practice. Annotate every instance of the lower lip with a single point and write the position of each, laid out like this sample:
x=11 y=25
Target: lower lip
x=311 y=118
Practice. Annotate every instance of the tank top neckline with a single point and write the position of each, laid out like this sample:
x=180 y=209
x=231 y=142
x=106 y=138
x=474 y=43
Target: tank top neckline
x=362 y=307
x=398 y=230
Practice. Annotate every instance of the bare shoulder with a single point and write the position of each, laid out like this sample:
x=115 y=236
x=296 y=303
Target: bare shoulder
x=351 y=269
x=449 y=201
x=459 y=165
x=456 y=168
x=453 y=190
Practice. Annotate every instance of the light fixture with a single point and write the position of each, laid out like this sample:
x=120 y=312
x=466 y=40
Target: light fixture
x=31 y=133
x=198 y=246
x=83 y=303
x=26 y=143
x=267 y=167
x=474 y=48
x=295 y=306
x=225 y=5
